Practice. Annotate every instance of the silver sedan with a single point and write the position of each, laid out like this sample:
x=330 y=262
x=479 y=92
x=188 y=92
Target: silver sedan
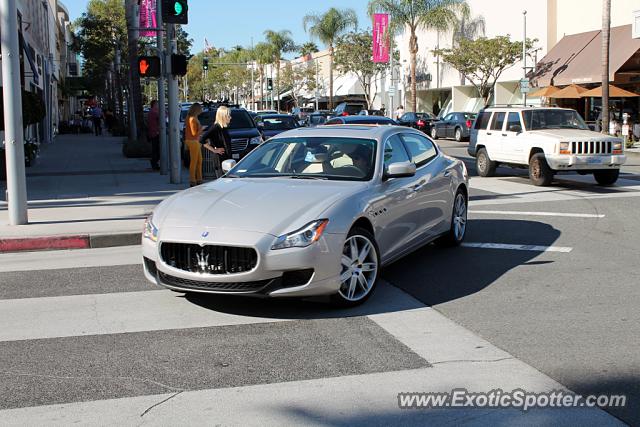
x=313 y=211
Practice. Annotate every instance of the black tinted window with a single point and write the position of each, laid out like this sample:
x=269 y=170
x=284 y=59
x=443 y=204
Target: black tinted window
x=420 y=148
x=483 y=120
x=240 y=119
x=498 y=120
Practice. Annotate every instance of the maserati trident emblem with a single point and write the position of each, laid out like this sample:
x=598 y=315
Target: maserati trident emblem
x=203 y=261
x=205 y=234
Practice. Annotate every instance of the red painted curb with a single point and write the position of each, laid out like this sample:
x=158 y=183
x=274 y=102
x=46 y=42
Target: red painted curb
x=42 y=243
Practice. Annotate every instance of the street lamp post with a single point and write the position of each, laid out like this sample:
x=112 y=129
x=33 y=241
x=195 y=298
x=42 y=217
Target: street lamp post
x=164 y=146
x=13 y=136
x=524 y=54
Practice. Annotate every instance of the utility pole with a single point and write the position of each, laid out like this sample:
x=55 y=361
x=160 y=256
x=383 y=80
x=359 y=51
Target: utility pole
x=317 y=83
x=162 y=113
x=174 y=113
x=253 y=86
x=13 y=134
x=524 y=55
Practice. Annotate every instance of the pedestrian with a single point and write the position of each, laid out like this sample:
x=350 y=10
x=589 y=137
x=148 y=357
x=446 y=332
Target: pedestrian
x=153 y=134
x=96 y=115
x=383 y=110
x=399 y=112
x=192 y=132
x=217 y=140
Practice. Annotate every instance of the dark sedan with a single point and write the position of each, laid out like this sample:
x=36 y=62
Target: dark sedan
x=453 y=125
x=420 y=121
x=273 y=124
x=361 y=120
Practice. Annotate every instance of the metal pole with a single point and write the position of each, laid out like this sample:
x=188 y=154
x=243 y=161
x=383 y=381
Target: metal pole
x=524 y=54
x=13 y=133
x=174 y=113
x=392 y=89
x=253 y=86
x=317 y=84
x=271 y=72
x=162 y=113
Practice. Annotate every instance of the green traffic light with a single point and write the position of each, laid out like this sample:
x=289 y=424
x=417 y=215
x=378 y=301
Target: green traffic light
x=177 y=8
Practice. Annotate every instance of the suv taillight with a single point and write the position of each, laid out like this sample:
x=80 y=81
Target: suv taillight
x=344 y=113
x=469 y=124
x=420 y=123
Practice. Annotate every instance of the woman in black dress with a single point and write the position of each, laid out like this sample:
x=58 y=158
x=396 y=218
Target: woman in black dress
x=216 y=139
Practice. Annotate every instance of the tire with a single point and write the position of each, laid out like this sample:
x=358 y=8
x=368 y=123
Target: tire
x=458 y=135
x=606 y=177
x=434 y=133
x=455 y=235
x=540 y=173
x=484 y=165
x=352 y=292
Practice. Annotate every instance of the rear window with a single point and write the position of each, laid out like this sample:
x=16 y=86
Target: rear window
x=240 y=119
x=483 y=120
x=278 y=123
x=498 y=120
x=353 y=108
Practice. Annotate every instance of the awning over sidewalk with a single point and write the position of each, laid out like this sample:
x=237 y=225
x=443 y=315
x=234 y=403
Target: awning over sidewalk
x=578 y=58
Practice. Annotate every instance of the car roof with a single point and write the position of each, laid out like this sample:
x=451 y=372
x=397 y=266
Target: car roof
x=276 y=116
x=347 y=131
x=372 y=119
x=522 y=107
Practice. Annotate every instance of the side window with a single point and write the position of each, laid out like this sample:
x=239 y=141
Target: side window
x=420 y=149
x=448 y=117
x=513 y=119
x=498 y=120
x=483 y=120
x=394 y=151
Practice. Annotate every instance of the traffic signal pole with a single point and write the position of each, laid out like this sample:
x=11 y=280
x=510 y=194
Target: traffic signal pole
x=162 y=113
x=13 y=134
x=174 y=112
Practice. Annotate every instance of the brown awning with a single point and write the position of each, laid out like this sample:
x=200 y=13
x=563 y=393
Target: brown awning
x=614 y=92
x=544 y=92
x=569 y=92
x=578 y=58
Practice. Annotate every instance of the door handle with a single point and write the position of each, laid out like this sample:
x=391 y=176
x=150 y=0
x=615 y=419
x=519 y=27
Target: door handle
x=504 y=134
x=489 y=133
x=419 y=185
x=447 y=173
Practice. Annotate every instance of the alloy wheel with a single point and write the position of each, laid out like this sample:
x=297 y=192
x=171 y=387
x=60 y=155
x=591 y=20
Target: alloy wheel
x=359 y=268
x=459 y=217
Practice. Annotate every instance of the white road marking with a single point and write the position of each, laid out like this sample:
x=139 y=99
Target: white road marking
x=533 y=248
x=560 y=214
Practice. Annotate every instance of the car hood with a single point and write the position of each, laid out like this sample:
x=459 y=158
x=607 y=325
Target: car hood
x=265 y=205
x=571 y=134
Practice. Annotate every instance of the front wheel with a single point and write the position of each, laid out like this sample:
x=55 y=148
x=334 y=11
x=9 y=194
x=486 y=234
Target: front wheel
x=539 y=171
x=434 y=133
x=606 y=177
x=360 y=263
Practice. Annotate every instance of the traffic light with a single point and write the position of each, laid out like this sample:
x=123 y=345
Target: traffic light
x=149 y=66
x=205 y=64
x=269 y=84
x=178 y=65
x=175 y=12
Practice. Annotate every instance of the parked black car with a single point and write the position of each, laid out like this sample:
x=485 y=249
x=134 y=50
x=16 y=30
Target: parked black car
x=317 y=118
x=420 y=121
x=348 y=109
x=361 y=120
x=273 y=124
x=453 y=125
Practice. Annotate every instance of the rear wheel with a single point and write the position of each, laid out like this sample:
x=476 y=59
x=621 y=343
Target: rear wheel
x=434 y=133
x=606 y=177
x=360 y=263
x=458 y=135
x=484 y=165
x=539 y=171
x=456 y=233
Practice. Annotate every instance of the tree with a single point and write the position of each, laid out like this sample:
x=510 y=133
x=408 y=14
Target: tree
x=184 y=42
x=353 y=53
x=326 y=28
x=606 y=32
x=438 y=15
x=281 y=43
x=298 y=78
x=467 y=28
x=307 y=48
x=264 y=54
x=482 y=61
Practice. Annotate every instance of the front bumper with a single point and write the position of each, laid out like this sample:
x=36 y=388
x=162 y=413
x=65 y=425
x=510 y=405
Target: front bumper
x=284 y=272
x=562 y=162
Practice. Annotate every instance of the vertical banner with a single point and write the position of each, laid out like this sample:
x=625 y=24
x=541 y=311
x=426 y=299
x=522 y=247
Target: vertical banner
x=148 y=17
x=380 y=41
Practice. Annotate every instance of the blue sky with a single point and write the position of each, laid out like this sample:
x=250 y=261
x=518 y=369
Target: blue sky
x=229 y=23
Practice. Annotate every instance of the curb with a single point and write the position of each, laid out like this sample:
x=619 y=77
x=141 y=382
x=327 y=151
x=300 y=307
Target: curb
x=83 y=241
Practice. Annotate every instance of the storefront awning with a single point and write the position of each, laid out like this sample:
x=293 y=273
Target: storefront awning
x=577 y=58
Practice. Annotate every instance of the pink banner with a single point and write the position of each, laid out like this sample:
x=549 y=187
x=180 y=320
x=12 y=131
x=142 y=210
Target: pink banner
x=380 y=41
x=148 y=17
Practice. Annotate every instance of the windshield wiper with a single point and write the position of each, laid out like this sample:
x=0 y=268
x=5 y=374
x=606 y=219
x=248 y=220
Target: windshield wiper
x=322 y=178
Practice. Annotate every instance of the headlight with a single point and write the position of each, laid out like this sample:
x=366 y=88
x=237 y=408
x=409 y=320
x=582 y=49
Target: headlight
x=564 y=148
x=617 y=147
x=303 y=237
x=256 y=140
x=150 y=230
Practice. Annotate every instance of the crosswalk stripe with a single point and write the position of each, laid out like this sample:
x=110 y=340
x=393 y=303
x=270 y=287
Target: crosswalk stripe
x=533 y=248
x=558 y=214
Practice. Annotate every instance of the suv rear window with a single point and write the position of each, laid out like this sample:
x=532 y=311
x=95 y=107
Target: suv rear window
x=498 y=120
x=240 y=119
x=353 y=109
x=483 y=120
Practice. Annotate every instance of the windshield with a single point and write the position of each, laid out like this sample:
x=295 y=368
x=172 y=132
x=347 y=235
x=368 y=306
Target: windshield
x=240 y=119
x=278 y=123
x=332 y=158
x=553 y=119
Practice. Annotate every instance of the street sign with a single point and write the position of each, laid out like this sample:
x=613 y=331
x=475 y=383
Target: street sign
x=149 y=66
x=524 y=86
x=392 y=89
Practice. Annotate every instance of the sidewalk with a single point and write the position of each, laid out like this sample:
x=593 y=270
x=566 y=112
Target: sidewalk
x=82 y=193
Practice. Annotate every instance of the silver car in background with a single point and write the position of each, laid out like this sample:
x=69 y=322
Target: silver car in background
x=313 y=211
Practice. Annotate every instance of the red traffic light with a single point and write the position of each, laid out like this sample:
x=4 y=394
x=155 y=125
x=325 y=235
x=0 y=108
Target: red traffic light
x=149 y=66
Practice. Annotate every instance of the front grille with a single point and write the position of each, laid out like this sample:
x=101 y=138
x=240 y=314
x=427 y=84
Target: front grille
x=208 y=259
x=215 y=286
x=239 y=145
x=591 y=147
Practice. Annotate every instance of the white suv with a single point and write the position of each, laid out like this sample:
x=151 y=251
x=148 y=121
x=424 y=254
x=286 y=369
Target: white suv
x=547 y=140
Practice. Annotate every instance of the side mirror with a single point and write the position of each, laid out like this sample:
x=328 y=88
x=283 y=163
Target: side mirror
x=515 y=128
x=227 y=165
x=400 y=170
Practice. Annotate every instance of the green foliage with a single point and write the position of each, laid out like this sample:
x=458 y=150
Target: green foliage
x=327 y=26
x=298 y=78
x=353 y=54
x=307 y=48
x=33 y=109
x=482 y=61
x=220 y=76
x=184 y=42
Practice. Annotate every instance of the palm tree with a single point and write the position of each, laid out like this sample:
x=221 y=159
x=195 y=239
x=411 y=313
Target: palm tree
x=281 y=42
x=263 y=54
x=440 y=15
x=606 y=31
x=467 y=28
x=308 y=48
x=327 y=27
